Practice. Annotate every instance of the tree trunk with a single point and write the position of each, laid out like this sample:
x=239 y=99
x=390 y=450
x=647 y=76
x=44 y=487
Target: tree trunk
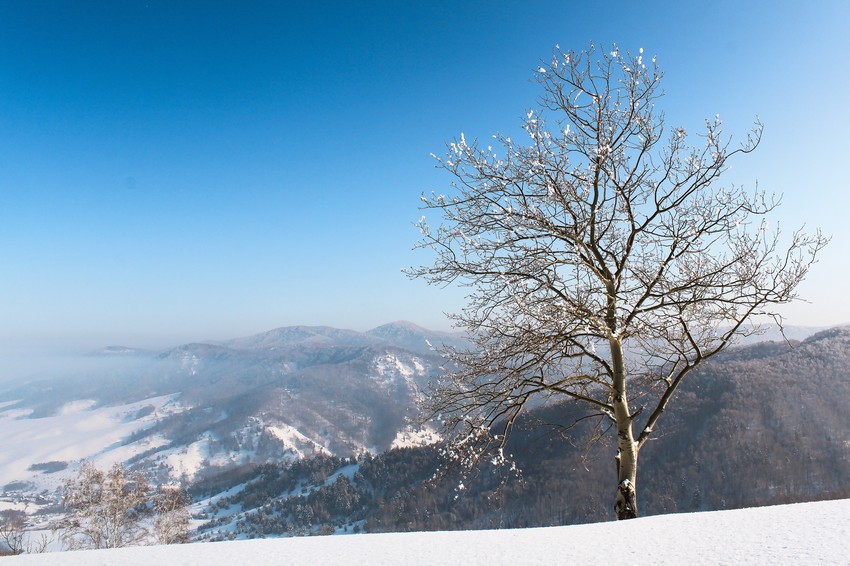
x=626 y=503
x=627 y=451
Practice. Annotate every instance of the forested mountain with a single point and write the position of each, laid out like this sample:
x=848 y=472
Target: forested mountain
x=758 y=425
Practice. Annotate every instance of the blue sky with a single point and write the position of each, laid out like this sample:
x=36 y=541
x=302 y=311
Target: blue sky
x=176 y=171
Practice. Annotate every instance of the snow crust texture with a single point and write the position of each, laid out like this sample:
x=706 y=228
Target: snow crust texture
x=806 y=533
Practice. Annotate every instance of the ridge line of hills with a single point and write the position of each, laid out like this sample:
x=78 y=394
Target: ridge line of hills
x=399 y=333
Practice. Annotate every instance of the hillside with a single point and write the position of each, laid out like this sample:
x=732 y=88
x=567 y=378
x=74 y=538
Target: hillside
x=810 y=533
x=762 y=424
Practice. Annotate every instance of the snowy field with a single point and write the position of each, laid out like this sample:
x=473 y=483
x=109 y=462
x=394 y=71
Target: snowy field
x=78 y=430
x=807 y=533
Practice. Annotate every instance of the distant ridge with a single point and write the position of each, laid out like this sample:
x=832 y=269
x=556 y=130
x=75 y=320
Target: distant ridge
x=415 y=338
x=288 y=336
x=772 y=333
x=400 y=334
x=121 y=351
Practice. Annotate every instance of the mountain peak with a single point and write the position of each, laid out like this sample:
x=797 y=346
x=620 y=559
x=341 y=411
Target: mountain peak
x=289 y=336
x=836 y=332
x=119 y=351
x=399 y=325
x=413 y=337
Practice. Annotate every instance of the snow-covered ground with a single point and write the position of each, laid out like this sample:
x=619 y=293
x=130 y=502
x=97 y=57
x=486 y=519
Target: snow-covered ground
x=808 y=533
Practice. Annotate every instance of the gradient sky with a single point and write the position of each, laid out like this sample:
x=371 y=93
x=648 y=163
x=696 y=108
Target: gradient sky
x=180 y=171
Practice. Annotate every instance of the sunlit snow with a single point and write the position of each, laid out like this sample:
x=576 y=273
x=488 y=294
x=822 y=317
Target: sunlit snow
x=807 y=533
x=410 y=437
x=293 y=440
x=78 y=429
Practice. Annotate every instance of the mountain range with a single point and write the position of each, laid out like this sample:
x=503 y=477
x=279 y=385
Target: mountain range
x=276 y=396
x=763 y=422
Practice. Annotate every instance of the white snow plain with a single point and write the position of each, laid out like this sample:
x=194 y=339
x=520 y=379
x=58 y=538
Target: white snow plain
x=805 y=533
x=78 y=430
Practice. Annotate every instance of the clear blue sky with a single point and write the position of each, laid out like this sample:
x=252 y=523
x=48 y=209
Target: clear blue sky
x=176 y=171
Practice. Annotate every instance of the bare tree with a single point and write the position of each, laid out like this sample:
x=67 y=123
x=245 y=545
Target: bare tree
x=16 y=539
x=12 y=533
x=604 y=262
x=106 y=509
x=171 y=505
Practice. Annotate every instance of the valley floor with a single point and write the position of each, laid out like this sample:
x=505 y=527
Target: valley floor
x=806 y=533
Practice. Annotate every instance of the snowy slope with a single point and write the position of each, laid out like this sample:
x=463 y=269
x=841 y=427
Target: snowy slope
x=808 y=533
